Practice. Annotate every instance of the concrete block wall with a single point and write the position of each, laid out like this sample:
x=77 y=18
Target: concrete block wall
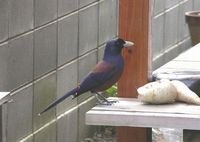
x=169 y=31
x=46 y=47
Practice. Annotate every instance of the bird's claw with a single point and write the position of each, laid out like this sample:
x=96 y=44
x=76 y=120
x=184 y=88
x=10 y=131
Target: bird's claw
x=104 y=101
x=108 y=102
x=111 y=102
x=73 y=96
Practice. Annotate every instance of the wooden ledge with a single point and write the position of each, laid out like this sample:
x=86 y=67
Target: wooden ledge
x=183 y=67
x=132 y=113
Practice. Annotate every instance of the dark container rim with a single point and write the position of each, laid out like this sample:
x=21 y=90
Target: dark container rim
x=192 y=14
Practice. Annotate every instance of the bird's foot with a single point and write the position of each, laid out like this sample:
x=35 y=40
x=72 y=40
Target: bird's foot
x=103 y=100
x=110 y=102
x=107 y=102
x=73 y=97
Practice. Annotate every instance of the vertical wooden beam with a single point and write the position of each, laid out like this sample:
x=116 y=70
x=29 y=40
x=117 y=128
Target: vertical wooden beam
x=133 y=26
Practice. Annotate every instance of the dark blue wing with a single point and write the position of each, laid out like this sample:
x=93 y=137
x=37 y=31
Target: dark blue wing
x=98 y=76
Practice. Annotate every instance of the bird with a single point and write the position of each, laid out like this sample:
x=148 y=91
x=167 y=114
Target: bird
x=105 y=74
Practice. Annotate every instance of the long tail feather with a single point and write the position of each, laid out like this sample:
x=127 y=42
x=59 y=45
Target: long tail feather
x=57 y=101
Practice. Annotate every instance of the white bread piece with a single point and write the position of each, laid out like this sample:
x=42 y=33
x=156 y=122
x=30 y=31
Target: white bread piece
x=185 y=94
x=158 y=92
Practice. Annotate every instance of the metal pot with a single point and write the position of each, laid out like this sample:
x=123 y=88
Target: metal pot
x=193 y=20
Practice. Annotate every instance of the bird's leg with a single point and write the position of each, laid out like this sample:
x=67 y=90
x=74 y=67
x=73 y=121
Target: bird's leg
x=102 y=100
x=101 y=97
x=110 y=100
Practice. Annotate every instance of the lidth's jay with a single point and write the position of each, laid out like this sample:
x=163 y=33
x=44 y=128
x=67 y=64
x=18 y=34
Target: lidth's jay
x=105 y=74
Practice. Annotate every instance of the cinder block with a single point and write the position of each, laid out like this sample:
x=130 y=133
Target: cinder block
x=170 y=3
x=29 y=139
x=44 y=94
x=4 y=56
x=47 y=134
x=67 y=127
x=4 y=122
x=101 y=52
x=85 y=2
x=3 y=20
x=20 y=16
x=66 y=6
x=183 y=30
x=184 y=45
x=67 y=38
x=196 y=5
x=85 y=131
x=107 y=20
x=88 y=29
x=159 y=7
x=45 y=50
x=16 y=61
x=19 y=123
x=157 y=35
x=158 y=62
x=86 y=64
x=171 y=28
x=172 y=53
x=67 y=78
x=181 y=22
x=45 y=11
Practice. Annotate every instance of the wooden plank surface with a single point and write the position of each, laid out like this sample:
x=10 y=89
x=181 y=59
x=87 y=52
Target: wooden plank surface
x=184 y=66
x=130 y=112
x=133 y=26
x=191 y=54
x=133 y=105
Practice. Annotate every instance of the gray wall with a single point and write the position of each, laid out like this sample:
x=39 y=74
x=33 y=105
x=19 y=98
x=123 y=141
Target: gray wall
x=46 y=47
x=169 y=31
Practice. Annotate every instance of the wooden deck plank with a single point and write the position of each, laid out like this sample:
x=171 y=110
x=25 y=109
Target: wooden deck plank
x=130 y=112
x=186 y=65
x=191 y=54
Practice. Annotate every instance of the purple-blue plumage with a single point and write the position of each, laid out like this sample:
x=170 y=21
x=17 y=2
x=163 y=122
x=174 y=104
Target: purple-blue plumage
x=104 y=74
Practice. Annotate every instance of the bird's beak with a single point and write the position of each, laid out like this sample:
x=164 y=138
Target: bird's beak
x=128 y=43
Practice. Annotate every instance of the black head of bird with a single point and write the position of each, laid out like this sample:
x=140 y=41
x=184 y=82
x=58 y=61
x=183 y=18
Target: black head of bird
x=115 y=46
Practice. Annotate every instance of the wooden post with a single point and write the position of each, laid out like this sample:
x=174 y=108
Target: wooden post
x=191 y=135
x=133 y=26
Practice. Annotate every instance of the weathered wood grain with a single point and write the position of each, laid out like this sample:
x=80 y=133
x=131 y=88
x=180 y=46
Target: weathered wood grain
x=133 y=26
x=132 y=113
